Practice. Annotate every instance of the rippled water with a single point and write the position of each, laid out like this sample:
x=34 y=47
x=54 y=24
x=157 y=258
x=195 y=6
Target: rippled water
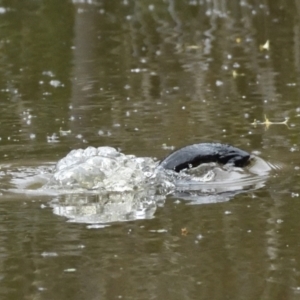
x=102 y=185
x=145 y=78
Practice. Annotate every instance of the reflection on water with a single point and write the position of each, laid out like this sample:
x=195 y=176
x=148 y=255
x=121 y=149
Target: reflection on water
x=106 y=207
x=147 y=76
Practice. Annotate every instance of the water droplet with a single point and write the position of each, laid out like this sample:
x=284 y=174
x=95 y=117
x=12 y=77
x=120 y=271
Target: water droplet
x=55 y=83
x=49 y=254
x=48 y=73
x=70 y=270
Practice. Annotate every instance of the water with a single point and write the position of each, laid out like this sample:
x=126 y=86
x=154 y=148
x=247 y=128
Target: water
x=147 y=77
x=126 y=187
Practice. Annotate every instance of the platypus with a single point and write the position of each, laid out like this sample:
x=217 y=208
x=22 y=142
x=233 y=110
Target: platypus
x=193 y=155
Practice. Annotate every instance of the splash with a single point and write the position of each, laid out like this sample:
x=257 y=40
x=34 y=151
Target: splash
x=102 y=185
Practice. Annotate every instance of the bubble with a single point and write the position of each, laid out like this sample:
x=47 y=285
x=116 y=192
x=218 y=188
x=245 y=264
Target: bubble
x=56 y=83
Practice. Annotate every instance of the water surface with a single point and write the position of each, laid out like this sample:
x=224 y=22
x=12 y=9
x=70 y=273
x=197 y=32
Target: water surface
x=148 y=77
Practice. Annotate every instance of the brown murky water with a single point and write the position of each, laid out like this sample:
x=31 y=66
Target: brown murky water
x=147 y=77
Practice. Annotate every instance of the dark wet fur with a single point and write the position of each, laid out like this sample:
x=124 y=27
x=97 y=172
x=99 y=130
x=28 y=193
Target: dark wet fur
x=193 y=155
